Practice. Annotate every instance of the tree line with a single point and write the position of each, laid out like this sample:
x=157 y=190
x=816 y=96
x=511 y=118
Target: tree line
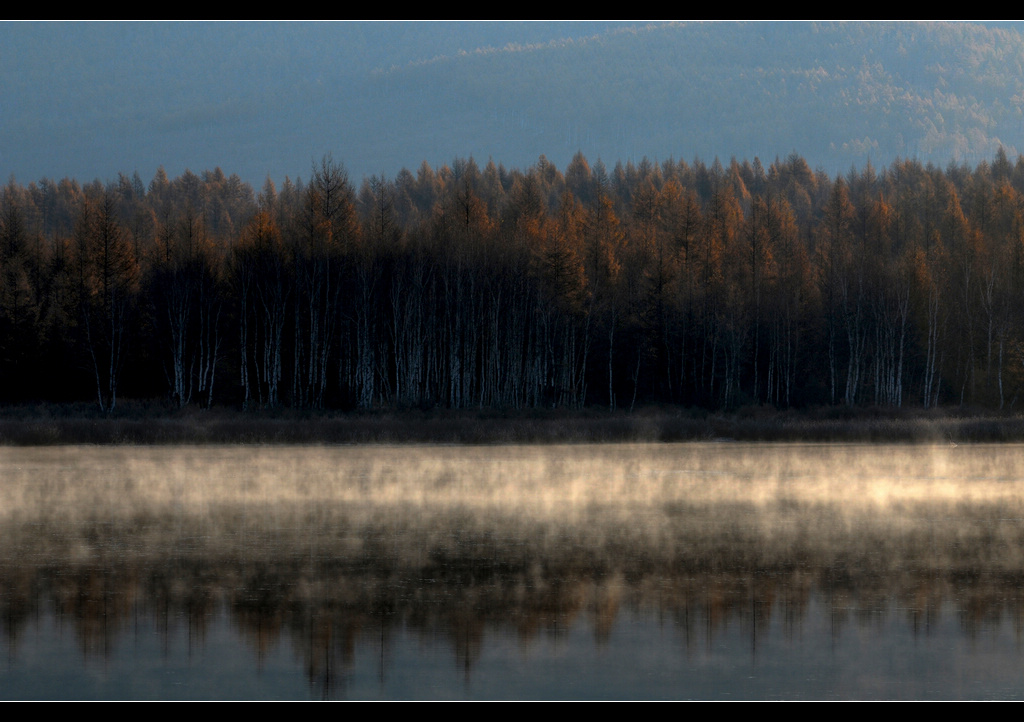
x=711 y=286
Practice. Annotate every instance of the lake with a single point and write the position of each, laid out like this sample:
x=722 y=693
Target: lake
x=634 y=571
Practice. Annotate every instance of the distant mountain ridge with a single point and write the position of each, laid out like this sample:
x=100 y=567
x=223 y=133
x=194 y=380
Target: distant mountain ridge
x=837 y=93
x=94 y=99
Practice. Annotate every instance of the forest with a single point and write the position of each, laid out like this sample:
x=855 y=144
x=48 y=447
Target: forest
x=702 y=286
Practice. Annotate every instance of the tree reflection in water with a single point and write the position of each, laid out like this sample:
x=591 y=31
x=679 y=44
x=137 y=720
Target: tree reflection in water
x=722 y=570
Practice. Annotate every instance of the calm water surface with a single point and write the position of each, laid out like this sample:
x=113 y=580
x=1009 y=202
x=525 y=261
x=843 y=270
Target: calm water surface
x=690 y=571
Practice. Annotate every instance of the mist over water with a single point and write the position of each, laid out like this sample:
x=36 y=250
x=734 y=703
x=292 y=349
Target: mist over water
x=647 y=571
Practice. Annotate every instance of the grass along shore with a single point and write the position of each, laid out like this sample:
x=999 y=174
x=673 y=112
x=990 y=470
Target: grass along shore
x=148 y=423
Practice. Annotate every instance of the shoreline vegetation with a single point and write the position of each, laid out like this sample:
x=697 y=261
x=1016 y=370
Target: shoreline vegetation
x=147 y=423
x=673 y=285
